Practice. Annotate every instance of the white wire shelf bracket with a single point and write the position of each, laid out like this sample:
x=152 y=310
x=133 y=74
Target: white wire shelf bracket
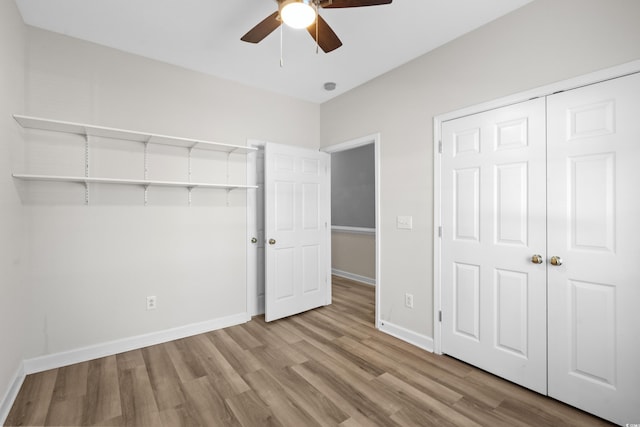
x=87 y=130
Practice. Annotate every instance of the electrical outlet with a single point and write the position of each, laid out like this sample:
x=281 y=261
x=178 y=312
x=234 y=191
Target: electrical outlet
x=408 y=300
x=151 y=303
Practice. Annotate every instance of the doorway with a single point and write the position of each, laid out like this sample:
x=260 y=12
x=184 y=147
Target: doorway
x=256 y=222
x=355 y=211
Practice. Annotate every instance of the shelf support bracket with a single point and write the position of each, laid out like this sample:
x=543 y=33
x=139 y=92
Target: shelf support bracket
x=228 y=156
x=189 y=164
x=146 y=171
x=146 y=165
x=87 y=139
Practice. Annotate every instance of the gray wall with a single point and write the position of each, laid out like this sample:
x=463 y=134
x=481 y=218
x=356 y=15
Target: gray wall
x=353 y=187
x=13 y=307
x=543 y=42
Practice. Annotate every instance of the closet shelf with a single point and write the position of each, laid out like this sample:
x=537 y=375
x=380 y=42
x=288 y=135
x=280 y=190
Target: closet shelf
x=141 y=182
x=86 y=130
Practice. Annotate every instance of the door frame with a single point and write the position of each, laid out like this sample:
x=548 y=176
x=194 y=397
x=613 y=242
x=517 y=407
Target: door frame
x=253 y=306
x=572 y=83
x=355 y=143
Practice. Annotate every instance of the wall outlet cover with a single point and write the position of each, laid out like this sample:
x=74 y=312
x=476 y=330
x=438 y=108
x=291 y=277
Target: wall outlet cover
x=404 y=222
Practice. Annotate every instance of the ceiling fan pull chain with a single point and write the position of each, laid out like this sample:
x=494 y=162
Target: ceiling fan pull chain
x=317 y=19
x=281 y=55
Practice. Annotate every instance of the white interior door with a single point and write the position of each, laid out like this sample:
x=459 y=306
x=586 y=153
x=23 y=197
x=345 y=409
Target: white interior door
x=493 y=223
x=594 y=227
x=297 y=232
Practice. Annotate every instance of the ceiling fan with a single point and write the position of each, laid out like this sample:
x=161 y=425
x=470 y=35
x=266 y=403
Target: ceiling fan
x=304 y=14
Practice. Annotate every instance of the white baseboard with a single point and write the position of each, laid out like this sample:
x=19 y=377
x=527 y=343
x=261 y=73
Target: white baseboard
x=422 y=341
x=7 y=401
x=57 y=360
x=352 y=276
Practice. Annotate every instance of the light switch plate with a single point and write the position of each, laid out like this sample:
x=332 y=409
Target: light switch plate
x=404 y=222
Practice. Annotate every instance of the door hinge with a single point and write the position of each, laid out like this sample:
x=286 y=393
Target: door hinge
x=440 y=231
x=440 y=316
x=440 y=146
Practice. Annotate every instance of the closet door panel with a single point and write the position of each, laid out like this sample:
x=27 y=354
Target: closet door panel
x=594 y=227
x=493 y=211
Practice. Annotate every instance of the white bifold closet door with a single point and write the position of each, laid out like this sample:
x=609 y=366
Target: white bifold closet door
x=594 y=227
x=493 y=219
x=541 y=245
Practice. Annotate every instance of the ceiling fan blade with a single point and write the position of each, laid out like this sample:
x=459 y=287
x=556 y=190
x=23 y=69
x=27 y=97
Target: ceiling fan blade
x=263 y=29
x=327 y=39
x=334 y=4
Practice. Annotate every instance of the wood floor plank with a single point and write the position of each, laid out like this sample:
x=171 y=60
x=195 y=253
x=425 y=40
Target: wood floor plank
x=68 y=399
x=243 y=338
x=251 y=411
x=389 y=364
x=32 y=403
x=237 y=358
x=485 y=415
x=139 y=408
x=423 y=403
x=187 y=365
x=102 y=401
x=310 y=399
x=327 y=367
x=271 y=392
x=164 y=378
x=359 y=413
x=259 y=328
x=206 y=406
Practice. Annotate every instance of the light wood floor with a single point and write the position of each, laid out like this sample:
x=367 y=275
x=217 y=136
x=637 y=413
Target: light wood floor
x=325 y=367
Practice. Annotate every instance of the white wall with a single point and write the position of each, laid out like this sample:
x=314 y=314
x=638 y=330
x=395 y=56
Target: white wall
x=544 y=42
x=13 y=307
x=91 y=267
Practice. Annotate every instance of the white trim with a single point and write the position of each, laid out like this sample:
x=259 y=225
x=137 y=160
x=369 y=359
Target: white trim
x=422 y=341
x=564 y=85
x=9 y=398
x=353 y=276
x=353 y=230
x=437 y=222
x=57 y=360
x=355 y=143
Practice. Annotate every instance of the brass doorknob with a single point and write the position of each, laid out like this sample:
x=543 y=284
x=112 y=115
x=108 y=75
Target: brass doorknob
x=272 y=241
x=556 y=260
x=536 y=259
x=254 y=240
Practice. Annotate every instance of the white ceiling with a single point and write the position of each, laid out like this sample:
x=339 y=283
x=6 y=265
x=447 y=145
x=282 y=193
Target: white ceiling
x=204 y=35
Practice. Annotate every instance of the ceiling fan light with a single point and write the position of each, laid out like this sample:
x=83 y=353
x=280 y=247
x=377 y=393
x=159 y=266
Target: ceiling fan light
x=298 y=13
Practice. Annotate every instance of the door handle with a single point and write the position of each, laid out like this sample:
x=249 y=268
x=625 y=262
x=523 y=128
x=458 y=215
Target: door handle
x=254 y=240
x=556 y=260
x=536 y=259
x=272 y=241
